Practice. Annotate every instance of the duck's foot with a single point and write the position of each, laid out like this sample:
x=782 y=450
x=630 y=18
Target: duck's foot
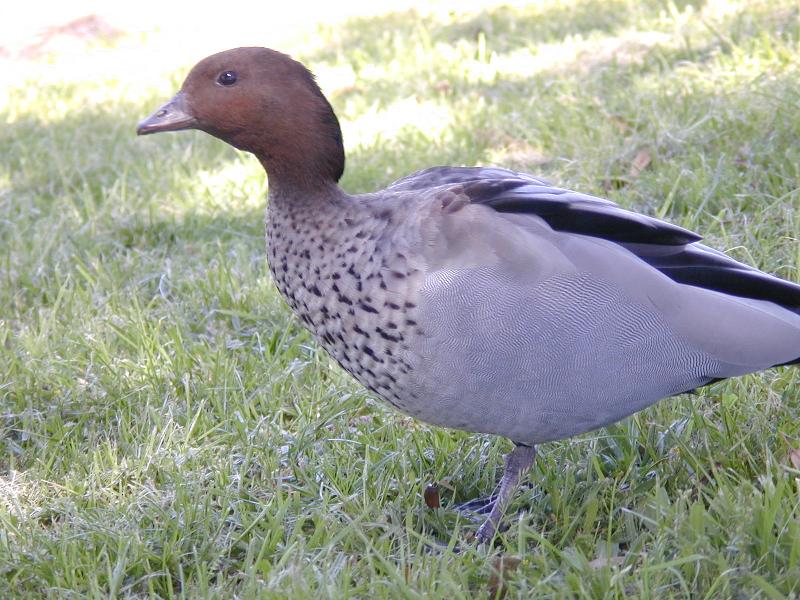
x=476 y=507
x=517 y=464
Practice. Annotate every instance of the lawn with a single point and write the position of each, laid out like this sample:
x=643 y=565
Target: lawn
x=167 y=429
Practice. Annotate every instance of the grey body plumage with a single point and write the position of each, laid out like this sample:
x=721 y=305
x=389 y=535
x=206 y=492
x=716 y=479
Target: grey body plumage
x=472 y=318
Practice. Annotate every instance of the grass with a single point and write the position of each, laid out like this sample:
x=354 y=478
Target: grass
x=168 y=430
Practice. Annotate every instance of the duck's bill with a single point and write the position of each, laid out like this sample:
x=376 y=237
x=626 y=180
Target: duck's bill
x=172 y=116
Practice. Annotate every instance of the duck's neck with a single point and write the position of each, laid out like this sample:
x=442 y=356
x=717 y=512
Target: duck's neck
x=301 y=155
x=304 y=199
x=293 y=179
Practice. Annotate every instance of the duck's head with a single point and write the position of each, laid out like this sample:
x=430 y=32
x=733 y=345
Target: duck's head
x=261 y=101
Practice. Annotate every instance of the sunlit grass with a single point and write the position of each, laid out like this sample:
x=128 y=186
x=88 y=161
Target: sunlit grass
x=167 y=428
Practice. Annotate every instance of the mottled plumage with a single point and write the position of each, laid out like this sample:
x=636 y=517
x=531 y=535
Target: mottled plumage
x=345 y=270
x=480 y=298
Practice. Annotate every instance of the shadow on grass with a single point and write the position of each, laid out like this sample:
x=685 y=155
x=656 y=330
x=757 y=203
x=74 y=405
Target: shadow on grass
x=89 y=150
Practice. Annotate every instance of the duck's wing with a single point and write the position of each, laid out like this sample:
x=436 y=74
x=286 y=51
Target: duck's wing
x=671 y=249
x=546 y=313
x=564 y=210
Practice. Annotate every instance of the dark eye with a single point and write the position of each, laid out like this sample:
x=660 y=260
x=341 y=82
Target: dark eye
x=227 y=78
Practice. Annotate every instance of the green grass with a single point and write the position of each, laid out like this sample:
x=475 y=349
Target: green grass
x=167 y=429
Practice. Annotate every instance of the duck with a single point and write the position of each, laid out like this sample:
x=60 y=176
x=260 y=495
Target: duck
x=480 y=298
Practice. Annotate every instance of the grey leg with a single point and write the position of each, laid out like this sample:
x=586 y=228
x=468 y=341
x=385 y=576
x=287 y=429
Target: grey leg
x=517 y=464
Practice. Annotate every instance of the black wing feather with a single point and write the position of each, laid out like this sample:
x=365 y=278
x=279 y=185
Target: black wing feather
x=569 y=211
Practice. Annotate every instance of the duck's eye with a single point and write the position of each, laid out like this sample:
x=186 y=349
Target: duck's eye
x=227 y=78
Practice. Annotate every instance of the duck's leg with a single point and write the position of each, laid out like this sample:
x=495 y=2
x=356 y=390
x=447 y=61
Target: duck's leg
x=517 y=464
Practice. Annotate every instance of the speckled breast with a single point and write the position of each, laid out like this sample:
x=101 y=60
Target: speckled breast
x=357 y=300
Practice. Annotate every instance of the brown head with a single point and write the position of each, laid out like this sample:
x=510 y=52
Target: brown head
x=261 y=101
